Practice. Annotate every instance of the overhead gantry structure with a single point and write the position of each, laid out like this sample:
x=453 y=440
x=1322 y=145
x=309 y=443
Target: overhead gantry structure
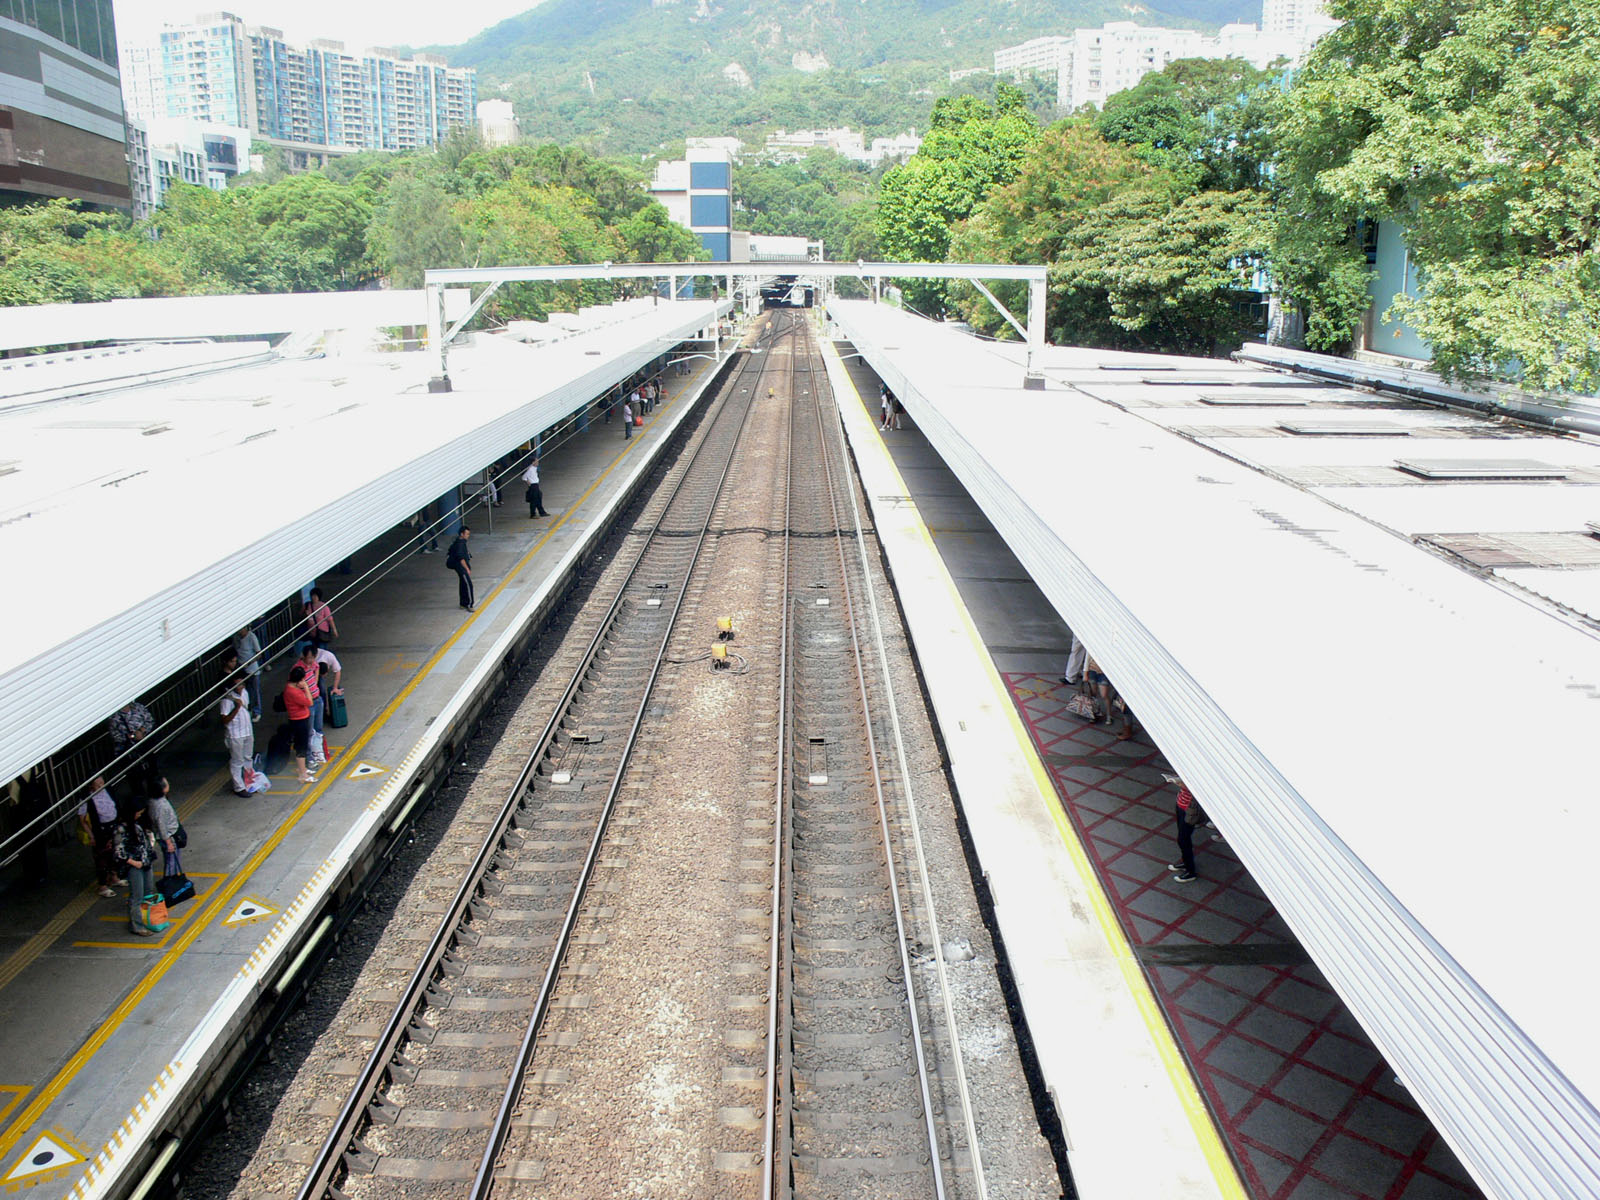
x=673 y=275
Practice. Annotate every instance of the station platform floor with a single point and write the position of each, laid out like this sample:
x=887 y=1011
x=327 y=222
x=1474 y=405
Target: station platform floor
x=1304 y=1103
x=97 y=1025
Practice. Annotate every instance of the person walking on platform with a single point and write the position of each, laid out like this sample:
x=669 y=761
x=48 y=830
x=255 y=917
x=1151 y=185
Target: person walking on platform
x=248 y=647
x=1189 y=814
x=459 y=560
x=136 y=853
x=237 y=732
x=534 y=495
x=165 y=819
x=98 y=816
x=885 y=406
x=627 y=419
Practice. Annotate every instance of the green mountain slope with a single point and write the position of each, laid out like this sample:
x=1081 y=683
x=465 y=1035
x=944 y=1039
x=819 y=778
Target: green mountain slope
x=628 y=75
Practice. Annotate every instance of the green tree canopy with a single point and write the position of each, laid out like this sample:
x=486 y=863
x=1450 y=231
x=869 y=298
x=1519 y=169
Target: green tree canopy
x=1472 y=126
x=972 y=148
x=1208 y=121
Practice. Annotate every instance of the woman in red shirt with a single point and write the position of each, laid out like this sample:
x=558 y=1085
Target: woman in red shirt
x=297 y=703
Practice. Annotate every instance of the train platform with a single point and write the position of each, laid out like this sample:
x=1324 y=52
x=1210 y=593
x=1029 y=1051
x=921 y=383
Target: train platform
x=1262 y=1058
x=105 y=1037
x=1244 y=551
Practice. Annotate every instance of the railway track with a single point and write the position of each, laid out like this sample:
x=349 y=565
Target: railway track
x=714 y=997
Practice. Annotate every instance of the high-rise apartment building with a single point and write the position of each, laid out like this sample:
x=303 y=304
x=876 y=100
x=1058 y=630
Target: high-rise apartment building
x=1038 y=56
x=61 y=131
x=1301 y=20
x=318 y=96
x=1118 y=55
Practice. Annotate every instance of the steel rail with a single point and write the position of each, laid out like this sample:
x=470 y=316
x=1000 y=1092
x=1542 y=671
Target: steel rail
x=483 y=1182
x=770 y=1148
x=929 y=1127
x=330 y=1155
x=958 y=1059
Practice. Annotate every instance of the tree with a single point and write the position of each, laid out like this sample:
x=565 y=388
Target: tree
x=650 y=235
x=1471 y=126
x=414 y=228
x=1172 y=277
x=1068 y=172
x=51 y=253
x=317 y=229
x=972 y=149
x=1208 y=121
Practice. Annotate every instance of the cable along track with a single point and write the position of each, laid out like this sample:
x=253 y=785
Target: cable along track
x=487 y=979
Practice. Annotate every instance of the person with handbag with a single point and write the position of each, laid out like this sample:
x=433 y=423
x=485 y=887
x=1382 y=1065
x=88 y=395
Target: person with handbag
x=320 y=626
x=136 y=853
x=165 y=819
x=1189 y=814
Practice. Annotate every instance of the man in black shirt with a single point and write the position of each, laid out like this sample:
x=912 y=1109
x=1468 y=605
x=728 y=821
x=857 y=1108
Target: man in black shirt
x=459 y=560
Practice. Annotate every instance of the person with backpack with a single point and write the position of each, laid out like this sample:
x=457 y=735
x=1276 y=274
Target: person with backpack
x=136 y=854
x=459 y=560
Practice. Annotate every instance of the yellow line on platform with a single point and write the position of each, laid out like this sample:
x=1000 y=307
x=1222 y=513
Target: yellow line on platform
x=191 y=931
x=1181 y=1076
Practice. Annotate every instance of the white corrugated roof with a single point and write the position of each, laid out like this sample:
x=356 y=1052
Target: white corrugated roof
x=156 y=521
x=1397 y=747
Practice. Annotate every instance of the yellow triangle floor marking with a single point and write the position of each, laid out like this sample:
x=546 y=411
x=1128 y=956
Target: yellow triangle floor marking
x=52 y=1154
x=248 y=911
x=365 y=770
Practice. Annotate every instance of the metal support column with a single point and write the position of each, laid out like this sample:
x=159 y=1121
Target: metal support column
x=436 y=337
x=1033 y=376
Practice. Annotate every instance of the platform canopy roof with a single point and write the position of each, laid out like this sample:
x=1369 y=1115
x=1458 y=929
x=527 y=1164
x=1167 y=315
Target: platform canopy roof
x=1340 y=616
x=150 y=522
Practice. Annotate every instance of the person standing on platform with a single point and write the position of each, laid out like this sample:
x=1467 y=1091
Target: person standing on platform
x=459 y=560
x=237 y=732
x=248 y=647
x=319 y=665
x=1189 y=814
x=885 y=407
x=129 y=724
x=627 y=419
x=534 y=495
x=165 y=819
x=297 y=704
x=1077 y=658
x=320 y=627
x=136 y=853
x=98 y=816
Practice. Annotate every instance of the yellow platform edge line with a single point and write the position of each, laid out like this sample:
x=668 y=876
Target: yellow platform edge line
x=1182 y=1078
x=102 y=1034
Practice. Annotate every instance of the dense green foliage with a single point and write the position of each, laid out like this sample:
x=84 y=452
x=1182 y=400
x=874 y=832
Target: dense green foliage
x=825 y=195
x=1150 y=215
x=632 y=76
x=1472 y=125
x=369 y=216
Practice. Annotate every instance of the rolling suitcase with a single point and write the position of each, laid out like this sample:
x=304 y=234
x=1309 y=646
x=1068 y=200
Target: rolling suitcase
x=337 y=715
